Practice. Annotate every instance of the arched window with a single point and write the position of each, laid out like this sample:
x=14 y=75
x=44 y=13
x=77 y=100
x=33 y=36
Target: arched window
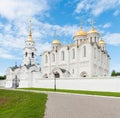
x=46 y=59
x=84 y=51
x=53 y=57
x=73 y=71
x=26 y=54
x=94 y=52
x=99 y=55
x=62 y=56
x=45 y=76
x=103 y=48
x=90 y=39
x=73 y=53
x=32 y=54
x=95 y=39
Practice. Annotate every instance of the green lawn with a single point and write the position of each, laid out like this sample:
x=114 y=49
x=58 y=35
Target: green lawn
x=18 y=104
x=115 y=94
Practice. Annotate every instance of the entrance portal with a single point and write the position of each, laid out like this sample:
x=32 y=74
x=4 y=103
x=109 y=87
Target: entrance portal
x=83 y=74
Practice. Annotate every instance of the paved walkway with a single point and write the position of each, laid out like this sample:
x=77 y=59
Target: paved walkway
x=80 y=106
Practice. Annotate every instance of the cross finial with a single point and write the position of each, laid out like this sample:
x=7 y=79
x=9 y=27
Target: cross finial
x=92 y=23
x=56 y=35
x=16 y=63
x=81 y=23
x=101 y=35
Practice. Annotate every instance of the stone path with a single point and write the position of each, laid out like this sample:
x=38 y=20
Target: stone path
x=81 y=106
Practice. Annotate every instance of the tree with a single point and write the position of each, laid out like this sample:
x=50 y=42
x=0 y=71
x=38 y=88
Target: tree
x=113 y=73
x=118 y=74
x=2 y=77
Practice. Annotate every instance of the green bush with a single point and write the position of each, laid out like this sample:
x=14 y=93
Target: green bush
x=2 y=77
x=114 y=73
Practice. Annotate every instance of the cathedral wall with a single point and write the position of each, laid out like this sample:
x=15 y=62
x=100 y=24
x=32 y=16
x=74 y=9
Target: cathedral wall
x=85 y=58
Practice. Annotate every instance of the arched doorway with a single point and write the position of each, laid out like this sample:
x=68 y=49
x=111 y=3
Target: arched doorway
x=83 y=74
x=15 y=82
x=45 y=76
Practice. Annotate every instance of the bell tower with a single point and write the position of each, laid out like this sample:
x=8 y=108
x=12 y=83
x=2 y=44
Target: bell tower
x=29 y=51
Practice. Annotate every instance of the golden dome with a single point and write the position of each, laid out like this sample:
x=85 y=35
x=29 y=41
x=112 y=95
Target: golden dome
x=101 y=42
x=80 y=33
x=93 y=31
x=56 y=41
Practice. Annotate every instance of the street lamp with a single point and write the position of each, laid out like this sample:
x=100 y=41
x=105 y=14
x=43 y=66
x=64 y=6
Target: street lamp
x=55 y=76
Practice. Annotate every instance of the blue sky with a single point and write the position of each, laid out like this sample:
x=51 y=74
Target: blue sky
x=50 y=16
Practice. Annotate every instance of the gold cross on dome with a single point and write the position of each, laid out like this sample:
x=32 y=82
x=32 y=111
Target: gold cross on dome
x=56 y=35
x=81 y=23
x=92 y=23
x=101 y=35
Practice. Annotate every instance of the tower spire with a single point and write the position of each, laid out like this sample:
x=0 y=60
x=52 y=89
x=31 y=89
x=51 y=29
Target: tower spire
x=30 y=32
x=30 y=28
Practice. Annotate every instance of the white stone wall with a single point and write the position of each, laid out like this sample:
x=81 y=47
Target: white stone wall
x=97 y=84
x=2 y=83
x=92 y=84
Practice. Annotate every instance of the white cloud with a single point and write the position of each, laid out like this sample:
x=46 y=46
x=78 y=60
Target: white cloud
x=12 y=9
x=5 y=54
x=116 y=13
x=107 y=25
x=43 y=47
x=15 y=30
x=96 y=7
x=112 y=38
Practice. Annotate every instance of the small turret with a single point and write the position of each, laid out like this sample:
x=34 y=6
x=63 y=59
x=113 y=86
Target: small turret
x=93 y=35
x=102 y=44
x=80 y=35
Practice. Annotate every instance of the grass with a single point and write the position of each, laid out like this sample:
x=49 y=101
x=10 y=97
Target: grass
x=115 y=94
x=18 y=104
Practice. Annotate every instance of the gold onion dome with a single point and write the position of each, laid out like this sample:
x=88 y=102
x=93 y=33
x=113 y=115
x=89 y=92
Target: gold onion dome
x=101 y=41
x=81 y=32
x=56 y=41
x=93 y=30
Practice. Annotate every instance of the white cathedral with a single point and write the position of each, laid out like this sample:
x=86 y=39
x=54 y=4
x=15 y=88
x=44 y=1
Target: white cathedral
x=85 y=57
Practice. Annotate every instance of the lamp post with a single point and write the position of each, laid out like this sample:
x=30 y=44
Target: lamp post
x=56 y=75
x=55 y=81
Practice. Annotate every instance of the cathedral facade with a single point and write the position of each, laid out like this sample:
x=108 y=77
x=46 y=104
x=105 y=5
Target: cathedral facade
x=85 y=57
